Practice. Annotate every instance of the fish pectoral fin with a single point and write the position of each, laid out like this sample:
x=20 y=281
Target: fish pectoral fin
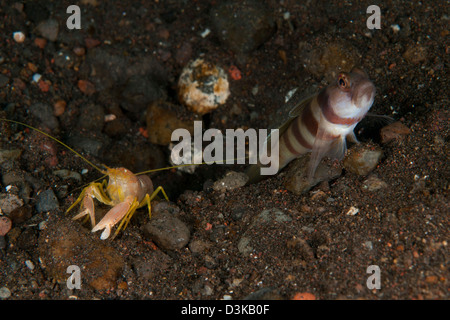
x=352 y=137
x=324 y=146
x=319 y=150
x=337 y=149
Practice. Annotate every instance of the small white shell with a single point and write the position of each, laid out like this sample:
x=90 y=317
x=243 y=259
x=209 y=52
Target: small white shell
x=37 y=77
x=352 y=211
x=18 y=36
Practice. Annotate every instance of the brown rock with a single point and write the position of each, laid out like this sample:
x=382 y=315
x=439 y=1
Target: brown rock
x=87 y=87
x=167 y=231
x=394 y=131
x=21 y=214
x=59 y=107
x=64 y=243
x=5 y=225
x=297 y=181
x=415 y=54
x=163 y=118
x=362 y=159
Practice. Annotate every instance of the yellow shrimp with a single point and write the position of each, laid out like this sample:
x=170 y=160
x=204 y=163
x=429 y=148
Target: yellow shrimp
x=124 y=191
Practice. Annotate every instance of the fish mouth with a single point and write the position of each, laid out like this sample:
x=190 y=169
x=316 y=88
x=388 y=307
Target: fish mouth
x=364 y=96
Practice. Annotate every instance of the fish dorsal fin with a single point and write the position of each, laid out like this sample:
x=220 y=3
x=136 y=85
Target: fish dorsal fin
x=294 y=108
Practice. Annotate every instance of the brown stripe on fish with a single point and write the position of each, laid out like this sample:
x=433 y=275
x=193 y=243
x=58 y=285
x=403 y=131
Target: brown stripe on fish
x=298 y=135
x=328 y=112
x=308 y=118
x=289 y=146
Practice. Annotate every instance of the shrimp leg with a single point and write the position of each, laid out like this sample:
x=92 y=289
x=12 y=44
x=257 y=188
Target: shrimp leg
x=147 y=200
x=94 y=190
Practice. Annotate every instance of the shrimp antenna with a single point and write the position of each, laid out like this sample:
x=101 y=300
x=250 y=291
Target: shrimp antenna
x=96 y=167
x=188 y=164
x=58 y=141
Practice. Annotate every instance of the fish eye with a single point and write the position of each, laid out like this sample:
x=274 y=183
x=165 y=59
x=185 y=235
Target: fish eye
x=343 y=82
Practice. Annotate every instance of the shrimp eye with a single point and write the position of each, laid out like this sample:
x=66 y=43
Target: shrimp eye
x=343 y=82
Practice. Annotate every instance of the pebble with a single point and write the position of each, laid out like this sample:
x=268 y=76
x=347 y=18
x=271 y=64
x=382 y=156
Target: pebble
x=374 y=183
x=103 y=68
x=29 y=264
x=166 y=230
x=44 y=112
x=65 y=243
x=270 y=215
x=67 y=174
x=9 y=202
x=40 y=42
x=19 y=84
x=79 y=51
x=13 y=177
x=139 y=91
x=90 y=145
x=8 y=155
x=91 y=43
x=296 y=181
x=203 y=86
x=267 y=217
x=243 y=26
x=27 y=239
x=18 y=36
x=237 y=213
x=232 y=180
x=5 y=225
x=352 y=211
x=36 y=77
x=46 y=201
x=415 y=54
x=304 y=296
x=87 y=87
x=92 y=117
x=118 y=127
x=163 y=118
x=59 y=107
x=148 y=268
x=368 y=245
x=5 y=293
x=244 y=246
x=395 y=28
x=64 y=58
x=362 y=159
x=183 y=163
x=4 y=80
x=199 y=246
x=394 y=131
x=48 y=29
x=44 y=85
